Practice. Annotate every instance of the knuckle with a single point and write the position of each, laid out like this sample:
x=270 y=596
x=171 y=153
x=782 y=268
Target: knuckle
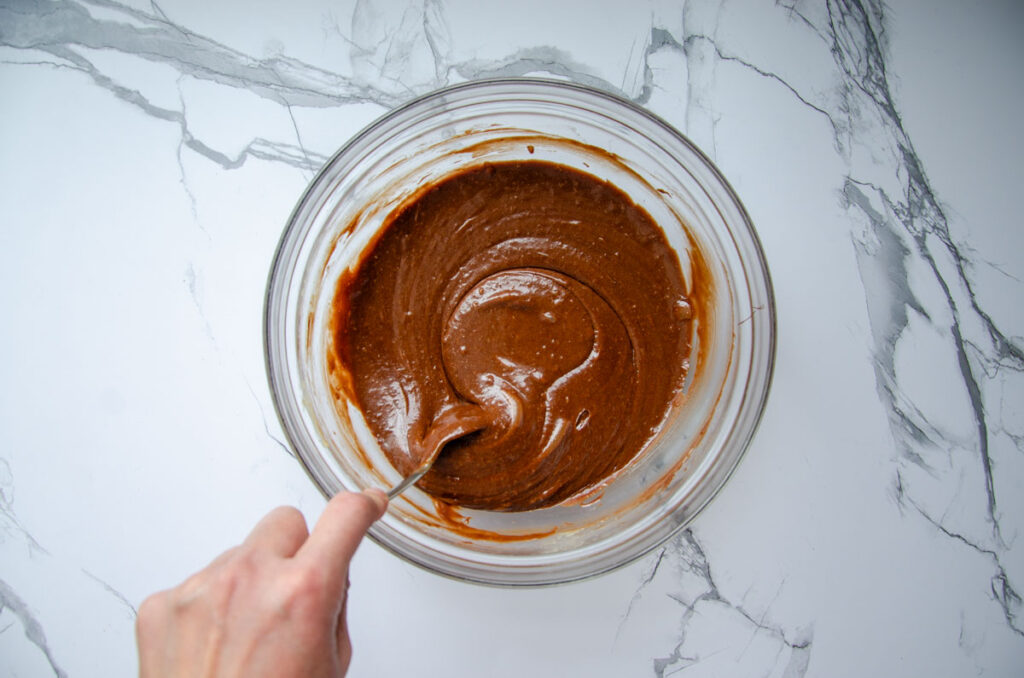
x=235 y=573
x=247 y=561
x=189 y=590
x=307 y=582
x=151 y=611
x=304 y=593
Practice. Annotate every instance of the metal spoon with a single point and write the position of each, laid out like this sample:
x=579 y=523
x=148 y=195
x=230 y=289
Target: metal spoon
x=452 y=424
x=414 y=477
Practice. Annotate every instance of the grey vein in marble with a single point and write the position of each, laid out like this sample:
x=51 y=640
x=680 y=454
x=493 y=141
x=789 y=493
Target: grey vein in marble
x=10 y=525
x=913 y=225
x=904 y=214
x=33 y=629
x=9 y=599
x=24 y=556
x=34 y=24
x=1001 y=589
x=266 y=426
x=65 y=27
x=692 y=585
x=61 y=27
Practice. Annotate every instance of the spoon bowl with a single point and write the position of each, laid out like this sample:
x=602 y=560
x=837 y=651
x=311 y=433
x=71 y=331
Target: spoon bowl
x=450 y=425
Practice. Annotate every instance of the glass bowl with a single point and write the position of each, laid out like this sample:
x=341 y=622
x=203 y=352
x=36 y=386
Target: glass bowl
x=707 y=429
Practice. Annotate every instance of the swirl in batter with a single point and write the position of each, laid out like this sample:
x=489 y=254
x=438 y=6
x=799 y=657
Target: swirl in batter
x=532 y=308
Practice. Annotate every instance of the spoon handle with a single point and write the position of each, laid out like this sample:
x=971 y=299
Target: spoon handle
x=408 y=481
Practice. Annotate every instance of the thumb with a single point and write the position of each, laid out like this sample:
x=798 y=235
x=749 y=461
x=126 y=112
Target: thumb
x=337 y=534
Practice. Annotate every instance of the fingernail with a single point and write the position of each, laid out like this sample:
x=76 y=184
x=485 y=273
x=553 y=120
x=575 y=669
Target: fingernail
x=379 y=499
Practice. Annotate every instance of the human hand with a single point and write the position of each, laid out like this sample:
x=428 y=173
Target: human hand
x=273 y=606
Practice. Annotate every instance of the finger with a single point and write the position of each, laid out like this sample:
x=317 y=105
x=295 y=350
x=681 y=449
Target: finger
x=281 y=532
x=338 y=532
x=151 y=624
x=343 y=641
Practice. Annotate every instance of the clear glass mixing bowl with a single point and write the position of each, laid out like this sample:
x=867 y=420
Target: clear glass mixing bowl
x=706 y=432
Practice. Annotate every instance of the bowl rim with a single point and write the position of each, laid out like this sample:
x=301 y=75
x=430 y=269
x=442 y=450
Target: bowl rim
x=272 y=306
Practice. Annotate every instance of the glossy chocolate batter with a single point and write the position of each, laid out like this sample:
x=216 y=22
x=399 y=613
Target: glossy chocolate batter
x=531 y=312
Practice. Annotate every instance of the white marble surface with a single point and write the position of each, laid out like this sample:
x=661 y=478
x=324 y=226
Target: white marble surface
x=150 y=154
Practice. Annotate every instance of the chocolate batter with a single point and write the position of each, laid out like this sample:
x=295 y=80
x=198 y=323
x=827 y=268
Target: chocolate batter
x=527 y=312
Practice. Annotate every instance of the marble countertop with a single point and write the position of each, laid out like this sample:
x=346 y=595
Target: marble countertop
x=150 y=153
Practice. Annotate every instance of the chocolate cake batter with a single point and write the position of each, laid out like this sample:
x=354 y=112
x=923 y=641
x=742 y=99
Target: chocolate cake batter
x=527 y=312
